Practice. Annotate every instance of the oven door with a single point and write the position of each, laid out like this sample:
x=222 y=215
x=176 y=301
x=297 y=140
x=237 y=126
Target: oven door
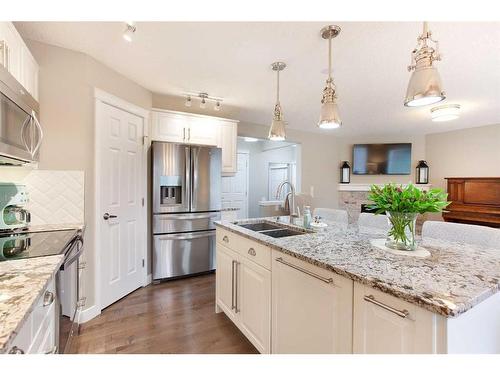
x=69 y=295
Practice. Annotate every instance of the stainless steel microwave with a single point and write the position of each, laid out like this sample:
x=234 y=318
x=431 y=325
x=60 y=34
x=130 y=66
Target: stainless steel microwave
x=20 y=131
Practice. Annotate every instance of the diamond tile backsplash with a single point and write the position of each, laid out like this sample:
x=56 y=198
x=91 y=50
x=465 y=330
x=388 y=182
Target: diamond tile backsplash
x=55 y=197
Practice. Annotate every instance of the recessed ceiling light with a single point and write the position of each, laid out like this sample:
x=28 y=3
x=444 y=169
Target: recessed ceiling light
x=250 y=139
x=445 y=112
x=130 y=29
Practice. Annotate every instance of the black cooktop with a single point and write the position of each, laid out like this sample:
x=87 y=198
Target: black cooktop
x=22 y=245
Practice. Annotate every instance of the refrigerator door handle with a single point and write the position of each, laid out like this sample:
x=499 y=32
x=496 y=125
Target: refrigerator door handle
x=186 y=236
x=189 y=184
x=188 y=216
x=194 y=174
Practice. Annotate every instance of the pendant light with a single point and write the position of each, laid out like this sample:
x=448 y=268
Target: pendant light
x=277 y=130
x=425 y=83
x=329 y=118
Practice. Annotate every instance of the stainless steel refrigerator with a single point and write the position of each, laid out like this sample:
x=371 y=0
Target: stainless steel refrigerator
x=186 y=200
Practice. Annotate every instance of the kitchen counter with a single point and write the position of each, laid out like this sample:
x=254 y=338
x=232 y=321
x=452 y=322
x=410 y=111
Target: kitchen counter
x=21 y=284
x=453 y=279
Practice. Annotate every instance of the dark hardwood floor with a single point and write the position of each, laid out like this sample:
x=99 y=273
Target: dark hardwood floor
x=172 y=317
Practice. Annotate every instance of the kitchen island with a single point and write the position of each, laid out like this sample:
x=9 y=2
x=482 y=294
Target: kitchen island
x=332 y=291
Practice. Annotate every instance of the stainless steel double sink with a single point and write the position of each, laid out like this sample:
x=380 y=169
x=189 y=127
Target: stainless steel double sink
x=272 y=230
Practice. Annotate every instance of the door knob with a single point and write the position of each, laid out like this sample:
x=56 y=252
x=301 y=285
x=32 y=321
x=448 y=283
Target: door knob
x=107 y=216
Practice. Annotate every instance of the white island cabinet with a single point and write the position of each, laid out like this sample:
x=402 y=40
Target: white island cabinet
x=243 y=291
x=311 y=308
x=384 y=324
x=180 y=127
x=285 y=301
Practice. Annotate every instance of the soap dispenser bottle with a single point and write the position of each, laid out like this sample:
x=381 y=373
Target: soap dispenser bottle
x=307 y=217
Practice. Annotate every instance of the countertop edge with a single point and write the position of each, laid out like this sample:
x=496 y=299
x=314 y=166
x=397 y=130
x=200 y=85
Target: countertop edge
x=432 y=307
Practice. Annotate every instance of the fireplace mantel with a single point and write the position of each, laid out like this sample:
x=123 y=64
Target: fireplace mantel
x=366 y=187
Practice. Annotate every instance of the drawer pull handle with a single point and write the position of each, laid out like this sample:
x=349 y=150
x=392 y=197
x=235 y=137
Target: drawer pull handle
x=225 y=239
x=252 y=252
x=324 y=279
x=48 y=298
x=402 y=313
x=16 y=350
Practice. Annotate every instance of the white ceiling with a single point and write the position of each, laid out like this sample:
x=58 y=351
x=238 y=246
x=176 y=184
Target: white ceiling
x=232 y=60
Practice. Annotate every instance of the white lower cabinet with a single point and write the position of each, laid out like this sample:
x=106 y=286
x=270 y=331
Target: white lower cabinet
x=384 y=324
x=37 y=335
x=254 y=303
x=243 y=292
x=311 y=308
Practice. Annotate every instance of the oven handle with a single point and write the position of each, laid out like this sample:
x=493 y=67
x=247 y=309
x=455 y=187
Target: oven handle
x=78 y=243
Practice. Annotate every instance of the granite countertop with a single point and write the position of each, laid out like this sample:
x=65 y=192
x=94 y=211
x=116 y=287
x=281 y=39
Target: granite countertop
x=453 y=279
x=21 y=284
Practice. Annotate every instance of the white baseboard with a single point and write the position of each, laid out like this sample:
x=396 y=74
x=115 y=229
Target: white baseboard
x=89 y=314
x=149 y=279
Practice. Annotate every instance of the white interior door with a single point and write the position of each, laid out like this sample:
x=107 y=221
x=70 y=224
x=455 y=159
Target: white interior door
x=235 y=188
x=121 y=234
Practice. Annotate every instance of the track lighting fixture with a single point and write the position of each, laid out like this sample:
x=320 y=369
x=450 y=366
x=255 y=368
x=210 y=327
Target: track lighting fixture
x=204 y=98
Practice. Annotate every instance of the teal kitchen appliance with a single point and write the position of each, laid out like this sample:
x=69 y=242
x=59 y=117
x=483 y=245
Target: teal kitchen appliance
x=13 y=202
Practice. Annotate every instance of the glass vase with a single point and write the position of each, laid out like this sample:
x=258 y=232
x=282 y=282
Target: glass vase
x=401 y=235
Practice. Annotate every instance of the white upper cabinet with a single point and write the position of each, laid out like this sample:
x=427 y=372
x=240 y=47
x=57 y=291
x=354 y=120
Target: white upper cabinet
x=17 y=59
x=169 y=126
x=202 y=131
x=311 y=308
x=228 y=133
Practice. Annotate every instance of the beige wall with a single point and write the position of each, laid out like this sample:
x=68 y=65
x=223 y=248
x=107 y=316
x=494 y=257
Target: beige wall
x=66 y=83
x=417 y=152
x=473 y=152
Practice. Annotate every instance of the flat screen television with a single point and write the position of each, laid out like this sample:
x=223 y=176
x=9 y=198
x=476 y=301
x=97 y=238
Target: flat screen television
x=383 y=158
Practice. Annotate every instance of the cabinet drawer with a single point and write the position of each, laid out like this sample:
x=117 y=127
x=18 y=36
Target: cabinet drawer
x=23 y=338
x=43 y=307
x=250 y=249
x=40 y=343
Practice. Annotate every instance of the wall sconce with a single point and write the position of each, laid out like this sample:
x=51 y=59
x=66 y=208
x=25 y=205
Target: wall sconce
x=345 y=173
x=422 y=176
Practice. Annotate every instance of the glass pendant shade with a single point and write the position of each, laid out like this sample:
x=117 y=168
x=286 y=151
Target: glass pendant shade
x=424 y=87
x=277 y=130
x=329 y=118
